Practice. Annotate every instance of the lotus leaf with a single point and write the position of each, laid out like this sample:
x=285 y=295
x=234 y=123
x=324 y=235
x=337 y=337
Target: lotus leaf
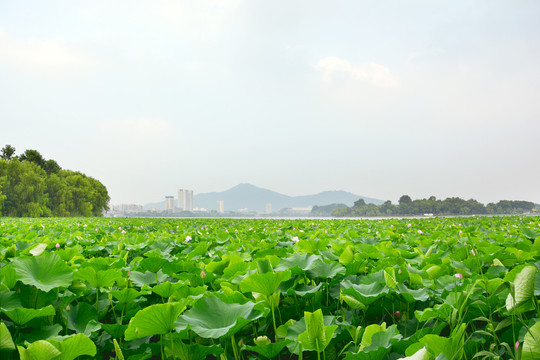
x=71 y=347
x=531 y=343
x=6 y=341
x=266 y=283
x=46 y=272
x=156 y=319
x=523 y=289
x=21 y=316
x=39 y=350
x=211 y=317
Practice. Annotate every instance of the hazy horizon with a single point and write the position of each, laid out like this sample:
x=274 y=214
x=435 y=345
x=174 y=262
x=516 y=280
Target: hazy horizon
x=376 y=98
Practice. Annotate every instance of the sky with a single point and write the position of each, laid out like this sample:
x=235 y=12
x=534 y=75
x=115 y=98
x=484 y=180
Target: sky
x=379 y=98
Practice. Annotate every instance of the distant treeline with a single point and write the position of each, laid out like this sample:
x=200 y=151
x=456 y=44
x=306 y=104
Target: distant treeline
x=35 y=187
x=448 y=206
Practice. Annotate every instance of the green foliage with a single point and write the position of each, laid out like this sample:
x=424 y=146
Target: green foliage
x=31 y=186
x=418 y=289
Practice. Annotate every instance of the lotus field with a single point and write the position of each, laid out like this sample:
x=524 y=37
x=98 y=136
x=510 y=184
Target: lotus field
x=439 y=288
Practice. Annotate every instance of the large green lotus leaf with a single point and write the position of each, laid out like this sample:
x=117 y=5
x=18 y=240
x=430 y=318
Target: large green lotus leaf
x=295 y=328
x=152 y=264
x=46 y=272
x=156 y=319
x=147 y=278
x=369 y=332
x=126 y=296
x=39 y=350
x=266 y=283
x=440 y=311
x=9 y=300
x=80 y=315
x=210 y=317
x=100 y=278
x=303 y=289
x=8 y=276
x=190 y=352
x=321 y=269
x=117 y=331
x=269 y=351
x=317 y=336
x=298 y=263
x=531 y=343
x=523 y=288
x=365 y=293
x=21 y=316
x=72 y=347
x=38 y=249
x=380 y=343
x=44 y=332
x=6 y=341
x=412 y=296
x=167 y=289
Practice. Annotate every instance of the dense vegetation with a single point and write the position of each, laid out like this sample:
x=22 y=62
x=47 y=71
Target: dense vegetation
x=33 y=186
x=446 y=289
x=449 y=206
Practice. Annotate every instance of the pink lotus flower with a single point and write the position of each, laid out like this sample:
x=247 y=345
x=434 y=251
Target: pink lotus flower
x=392 y=226
x=472 y=252
x=188 y=239
x=420 y=232
x=295 y=239
x=203 y=274
x=57 y=245
x=123 y=231
x=517 y=345
x=458 y=275
x=409 y=225
x=397 y=315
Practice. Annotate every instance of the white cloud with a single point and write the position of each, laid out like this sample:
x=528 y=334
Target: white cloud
x=372 y=73
x=51 y=54
x=137 y=130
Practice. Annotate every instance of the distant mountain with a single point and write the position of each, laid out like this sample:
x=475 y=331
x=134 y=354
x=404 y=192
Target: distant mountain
x=255 y=198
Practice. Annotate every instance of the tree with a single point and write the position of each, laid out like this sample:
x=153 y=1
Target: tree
x=51 y=167
x=405 y=200
x=7 y=152
x=33 y=156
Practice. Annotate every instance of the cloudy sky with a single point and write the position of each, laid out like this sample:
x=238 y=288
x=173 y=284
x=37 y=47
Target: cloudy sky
x=379 y=98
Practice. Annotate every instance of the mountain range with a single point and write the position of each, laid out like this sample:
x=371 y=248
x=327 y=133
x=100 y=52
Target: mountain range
x=254 y=198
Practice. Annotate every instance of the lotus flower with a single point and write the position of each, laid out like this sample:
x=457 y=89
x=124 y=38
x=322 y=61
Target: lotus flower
x=262 y=340
x=458 y=275
x=188 y=238
x=517 y=345
x=295 y=239
x=420 y=232
x=203 y=274
x=57 y=245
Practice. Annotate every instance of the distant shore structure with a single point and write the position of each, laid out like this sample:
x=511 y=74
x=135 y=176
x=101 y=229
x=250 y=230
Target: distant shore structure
x=185 y=200
x=169 y=204
x=220 y=206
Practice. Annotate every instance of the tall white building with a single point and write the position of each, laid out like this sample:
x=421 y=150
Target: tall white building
x=185 y=200
x=220 y=206
x=169 y=204
x=268 y=208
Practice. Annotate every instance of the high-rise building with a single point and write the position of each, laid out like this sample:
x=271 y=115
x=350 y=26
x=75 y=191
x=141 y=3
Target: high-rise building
x=185 y=200
x=220 y=206
x=268 y=208
x=169 y=204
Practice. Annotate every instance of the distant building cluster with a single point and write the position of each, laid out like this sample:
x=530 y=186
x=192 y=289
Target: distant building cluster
x=220 y=206
x=185 y=201
x=124 y=209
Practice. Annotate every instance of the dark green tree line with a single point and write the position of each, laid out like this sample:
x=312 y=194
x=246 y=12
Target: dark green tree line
x=33 y=186
x=449 y=206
